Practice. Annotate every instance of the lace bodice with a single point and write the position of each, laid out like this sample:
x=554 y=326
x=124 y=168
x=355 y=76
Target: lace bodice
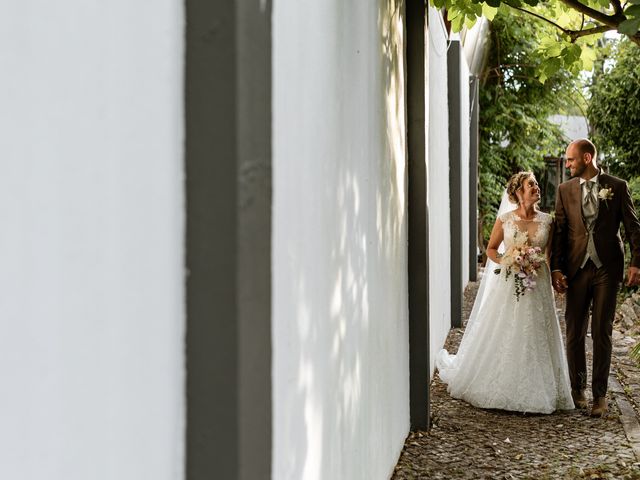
x=537 y=229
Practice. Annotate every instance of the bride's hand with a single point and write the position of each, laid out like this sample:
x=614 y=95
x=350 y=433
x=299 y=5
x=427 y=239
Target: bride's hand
x=559 y=281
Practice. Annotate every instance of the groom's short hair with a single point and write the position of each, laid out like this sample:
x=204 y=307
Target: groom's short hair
x=586 y=146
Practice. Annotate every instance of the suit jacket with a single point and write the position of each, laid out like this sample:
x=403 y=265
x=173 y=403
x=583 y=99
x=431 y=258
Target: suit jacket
x=570 y=238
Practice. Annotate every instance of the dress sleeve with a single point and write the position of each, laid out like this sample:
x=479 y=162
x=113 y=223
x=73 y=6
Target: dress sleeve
x=504 y=217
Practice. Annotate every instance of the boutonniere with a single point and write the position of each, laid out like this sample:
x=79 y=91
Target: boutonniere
x=605 y=193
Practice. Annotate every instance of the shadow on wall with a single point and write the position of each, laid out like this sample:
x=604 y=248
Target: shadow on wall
x=351 y=339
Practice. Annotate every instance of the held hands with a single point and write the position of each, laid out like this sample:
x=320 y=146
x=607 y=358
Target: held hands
x=559 y=281
x=560 y=285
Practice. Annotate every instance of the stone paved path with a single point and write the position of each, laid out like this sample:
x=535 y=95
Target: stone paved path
x=467 y=442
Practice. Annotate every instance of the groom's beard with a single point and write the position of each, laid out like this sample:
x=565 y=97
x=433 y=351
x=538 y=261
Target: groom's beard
x=577 y=171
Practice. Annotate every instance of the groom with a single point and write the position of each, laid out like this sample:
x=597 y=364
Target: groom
x=587 y=262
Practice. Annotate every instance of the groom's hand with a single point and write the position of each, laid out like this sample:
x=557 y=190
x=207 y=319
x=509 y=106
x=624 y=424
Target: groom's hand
x=559 y=281
x=633 y=276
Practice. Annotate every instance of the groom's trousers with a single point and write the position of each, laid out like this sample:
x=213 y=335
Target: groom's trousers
x=590 y=287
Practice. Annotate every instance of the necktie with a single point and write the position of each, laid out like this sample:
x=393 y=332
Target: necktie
x=589 y=204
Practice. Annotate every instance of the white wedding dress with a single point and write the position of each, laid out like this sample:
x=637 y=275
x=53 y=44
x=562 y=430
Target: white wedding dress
x=511 y=356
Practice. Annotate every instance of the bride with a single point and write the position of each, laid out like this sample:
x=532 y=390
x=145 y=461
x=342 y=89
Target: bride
x=511 y=356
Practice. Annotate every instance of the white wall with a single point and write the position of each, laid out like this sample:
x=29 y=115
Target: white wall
x=438 y=184
x=91 y=254
x=476 y=43
x=340 y=336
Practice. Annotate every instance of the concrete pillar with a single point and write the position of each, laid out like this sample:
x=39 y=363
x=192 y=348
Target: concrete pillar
x=455 y=180
x=419 y=371
x=228 y=261
x=474 y=151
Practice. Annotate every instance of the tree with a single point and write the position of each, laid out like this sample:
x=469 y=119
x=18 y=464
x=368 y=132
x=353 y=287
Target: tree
x=614 y=110
x=515 y=131
x=578 y=25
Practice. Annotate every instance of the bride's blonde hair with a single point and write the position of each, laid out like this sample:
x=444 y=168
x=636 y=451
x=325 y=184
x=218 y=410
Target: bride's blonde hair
x=515 y=183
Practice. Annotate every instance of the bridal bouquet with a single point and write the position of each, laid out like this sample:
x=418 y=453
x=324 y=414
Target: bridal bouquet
x=523 y=262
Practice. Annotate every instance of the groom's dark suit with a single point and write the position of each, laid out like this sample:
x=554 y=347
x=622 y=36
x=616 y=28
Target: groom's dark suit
x=587 y=283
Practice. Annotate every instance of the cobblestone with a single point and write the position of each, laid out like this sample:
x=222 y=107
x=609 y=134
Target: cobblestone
x=468 y=442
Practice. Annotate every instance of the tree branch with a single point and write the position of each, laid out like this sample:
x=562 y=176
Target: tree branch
x=611 y=20
x=617 y=7
x=564 y=30
x=575 y=34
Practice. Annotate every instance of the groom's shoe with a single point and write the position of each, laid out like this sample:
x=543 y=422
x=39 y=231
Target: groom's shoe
x=579 y=399
x=599 y=408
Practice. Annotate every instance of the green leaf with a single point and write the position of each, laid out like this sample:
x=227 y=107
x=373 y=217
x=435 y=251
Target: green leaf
x=629 y=27
x=548 y=68
x=453 y=13
x=588 y=56
x=456 y=23
x=632 y=11
x=496 y=3
x=470 y=22
x=553 y=65
x=564 y=19
x=542 y=77
x=489 y=11
x=438 y=3
x=571 y=54
x=554 y=51
x=550 y=47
